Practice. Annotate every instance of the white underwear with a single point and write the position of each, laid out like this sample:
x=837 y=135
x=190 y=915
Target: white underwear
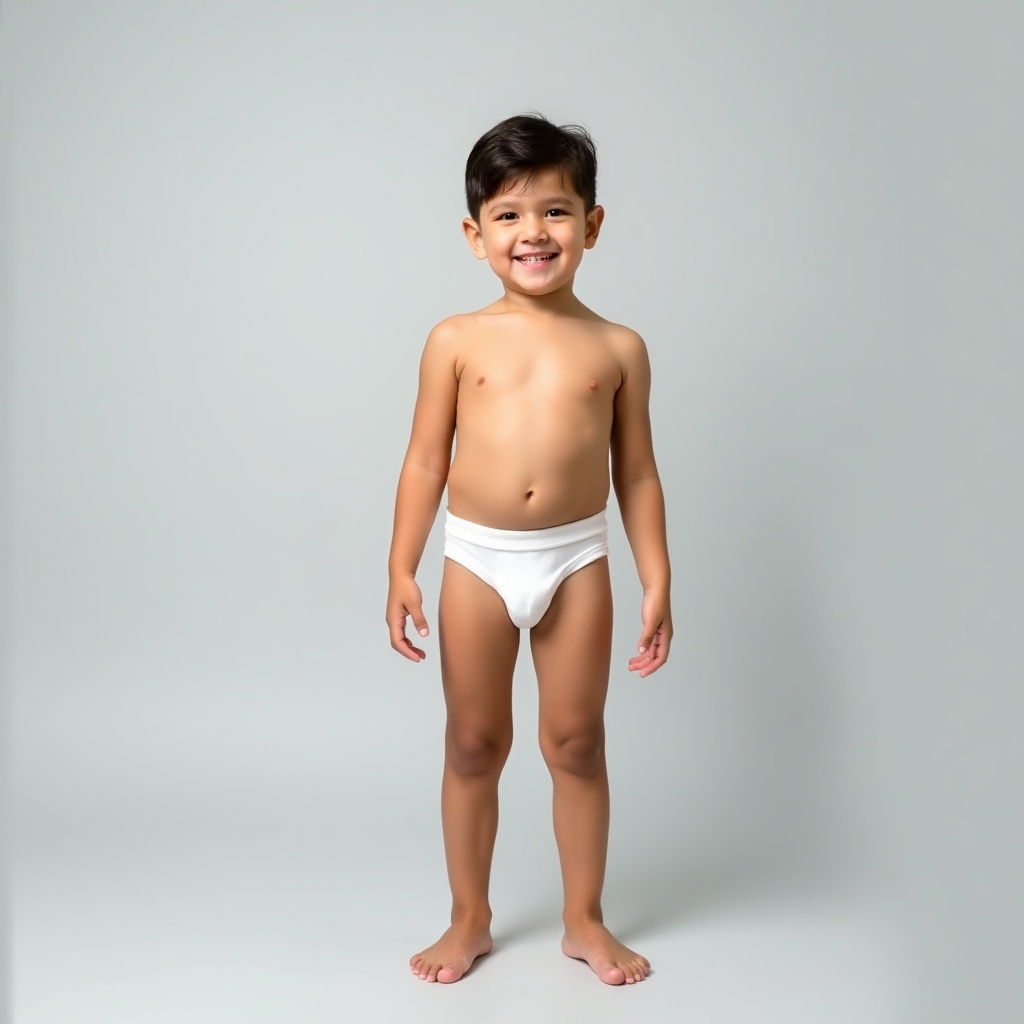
x=526 y=567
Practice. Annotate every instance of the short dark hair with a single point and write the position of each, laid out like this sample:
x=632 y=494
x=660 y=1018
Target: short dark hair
x=521 y=146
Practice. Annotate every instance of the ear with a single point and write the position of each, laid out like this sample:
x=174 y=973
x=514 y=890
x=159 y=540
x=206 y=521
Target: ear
x=475 y=238
x=594 y=221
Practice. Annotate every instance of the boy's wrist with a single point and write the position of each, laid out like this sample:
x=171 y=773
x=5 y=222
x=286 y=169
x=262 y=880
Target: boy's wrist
x=657 y=587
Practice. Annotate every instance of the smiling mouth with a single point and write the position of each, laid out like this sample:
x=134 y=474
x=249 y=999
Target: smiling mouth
x=536 y=257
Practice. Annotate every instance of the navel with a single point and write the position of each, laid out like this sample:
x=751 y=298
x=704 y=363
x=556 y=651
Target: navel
x=529 y=494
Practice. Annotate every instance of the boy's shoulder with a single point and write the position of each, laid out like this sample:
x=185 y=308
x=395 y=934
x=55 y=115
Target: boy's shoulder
x=458 y=322
x=446 y=337
x=619 y=335
x=455 y=328
x=626 y=342
x=453 y=335
x=623 y=334
x=628 y=349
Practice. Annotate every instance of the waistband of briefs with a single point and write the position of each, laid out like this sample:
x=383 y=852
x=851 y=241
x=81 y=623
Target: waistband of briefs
x=594 y=527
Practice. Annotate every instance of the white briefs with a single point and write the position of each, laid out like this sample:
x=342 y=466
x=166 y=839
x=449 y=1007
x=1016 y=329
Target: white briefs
x=526 y=567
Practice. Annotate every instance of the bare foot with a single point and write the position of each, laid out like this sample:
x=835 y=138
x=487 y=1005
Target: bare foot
x=449 y=958
x=609 y=959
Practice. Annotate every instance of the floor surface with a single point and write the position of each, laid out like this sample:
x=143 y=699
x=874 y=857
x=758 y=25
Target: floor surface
x=166 y=918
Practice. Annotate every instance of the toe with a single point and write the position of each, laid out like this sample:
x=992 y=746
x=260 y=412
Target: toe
x=612 y=975
x=448 y=974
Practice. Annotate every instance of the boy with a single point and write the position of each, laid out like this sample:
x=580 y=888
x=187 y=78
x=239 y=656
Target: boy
x=539 y=389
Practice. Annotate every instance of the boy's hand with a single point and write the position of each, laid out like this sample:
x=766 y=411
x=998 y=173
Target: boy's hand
x=656 y=637
x=405 y=599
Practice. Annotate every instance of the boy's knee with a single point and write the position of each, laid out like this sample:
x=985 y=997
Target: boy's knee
x=476 y=753
x=578 y=753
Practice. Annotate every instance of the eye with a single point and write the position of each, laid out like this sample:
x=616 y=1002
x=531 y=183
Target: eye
x=556 y=212
x=507 y=215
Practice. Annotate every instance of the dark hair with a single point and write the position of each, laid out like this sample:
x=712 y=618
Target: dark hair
x=519 y=147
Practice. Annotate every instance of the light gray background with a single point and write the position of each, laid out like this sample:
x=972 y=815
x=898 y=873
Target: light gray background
x=226 y=230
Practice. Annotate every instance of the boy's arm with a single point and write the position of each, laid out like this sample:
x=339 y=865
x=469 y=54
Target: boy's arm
x=642 y=503
x=421 y=484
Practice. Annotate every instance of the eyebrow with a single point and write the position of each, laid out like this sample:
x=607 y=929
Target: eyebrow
x=508 y=204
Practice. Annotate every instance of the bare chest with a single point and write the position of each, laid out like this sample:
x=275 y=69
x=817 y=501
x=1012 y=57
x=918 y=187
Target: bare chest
x=548 y=372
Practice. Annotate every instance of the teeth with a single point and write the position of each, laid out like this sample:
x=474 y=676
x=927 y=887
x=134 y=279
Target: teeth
x=534 y=259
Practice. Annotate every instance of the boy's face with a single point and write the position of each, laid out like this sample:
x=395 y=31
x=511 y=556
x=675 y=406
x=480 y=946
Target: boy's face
x=533 y=235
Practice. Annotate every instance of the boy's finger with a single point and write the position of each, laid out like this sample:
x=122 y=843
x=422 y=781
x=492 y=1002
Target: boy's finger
x=646 y=641
x=419 y=621
x=660 y=654
x=400 y=642
x=410 y=652
x=397 y=630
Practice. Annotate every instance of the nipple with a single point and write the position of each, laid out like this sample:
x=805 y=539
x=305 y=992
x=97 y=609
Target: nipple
x=480 y=380
x=592 y=384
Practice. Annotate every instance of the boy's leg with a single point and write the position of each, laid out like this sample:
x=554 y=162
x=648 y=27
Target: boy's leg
x=478 y=654
x=571 y=652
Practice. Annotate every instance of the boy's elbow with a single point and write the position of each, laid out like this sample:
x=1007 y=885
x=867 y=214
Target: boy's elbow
x=625 y=483
x=433 y=465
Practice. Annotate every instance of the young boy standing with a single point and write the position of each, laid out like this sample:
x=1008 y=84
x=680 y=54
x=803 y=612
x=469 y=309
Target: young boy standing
x=538 y=389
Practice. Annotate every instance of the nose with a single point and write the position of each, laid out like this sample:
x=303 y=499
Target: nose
x=533 y=229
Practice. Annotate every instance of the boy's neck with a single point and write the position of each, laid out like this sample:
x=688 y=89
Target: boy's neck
x=559 y=303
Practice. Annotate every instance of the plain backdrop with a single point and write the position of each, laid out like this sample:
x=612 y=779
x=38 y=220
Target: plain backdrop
x=226 y=229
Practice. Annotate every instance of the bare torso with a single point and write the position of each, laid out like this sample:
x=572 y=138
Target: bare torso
x=534 y=418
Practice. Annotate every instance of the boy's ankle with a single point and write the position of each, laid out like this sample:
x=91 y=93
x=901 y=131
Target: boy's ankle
x=472 y=915
x=584 y=915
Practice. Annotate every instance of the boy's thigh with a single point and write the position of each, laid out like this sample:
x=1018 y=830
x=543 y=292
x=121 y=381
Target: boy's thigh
x=478 y=644
x=572 y=647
